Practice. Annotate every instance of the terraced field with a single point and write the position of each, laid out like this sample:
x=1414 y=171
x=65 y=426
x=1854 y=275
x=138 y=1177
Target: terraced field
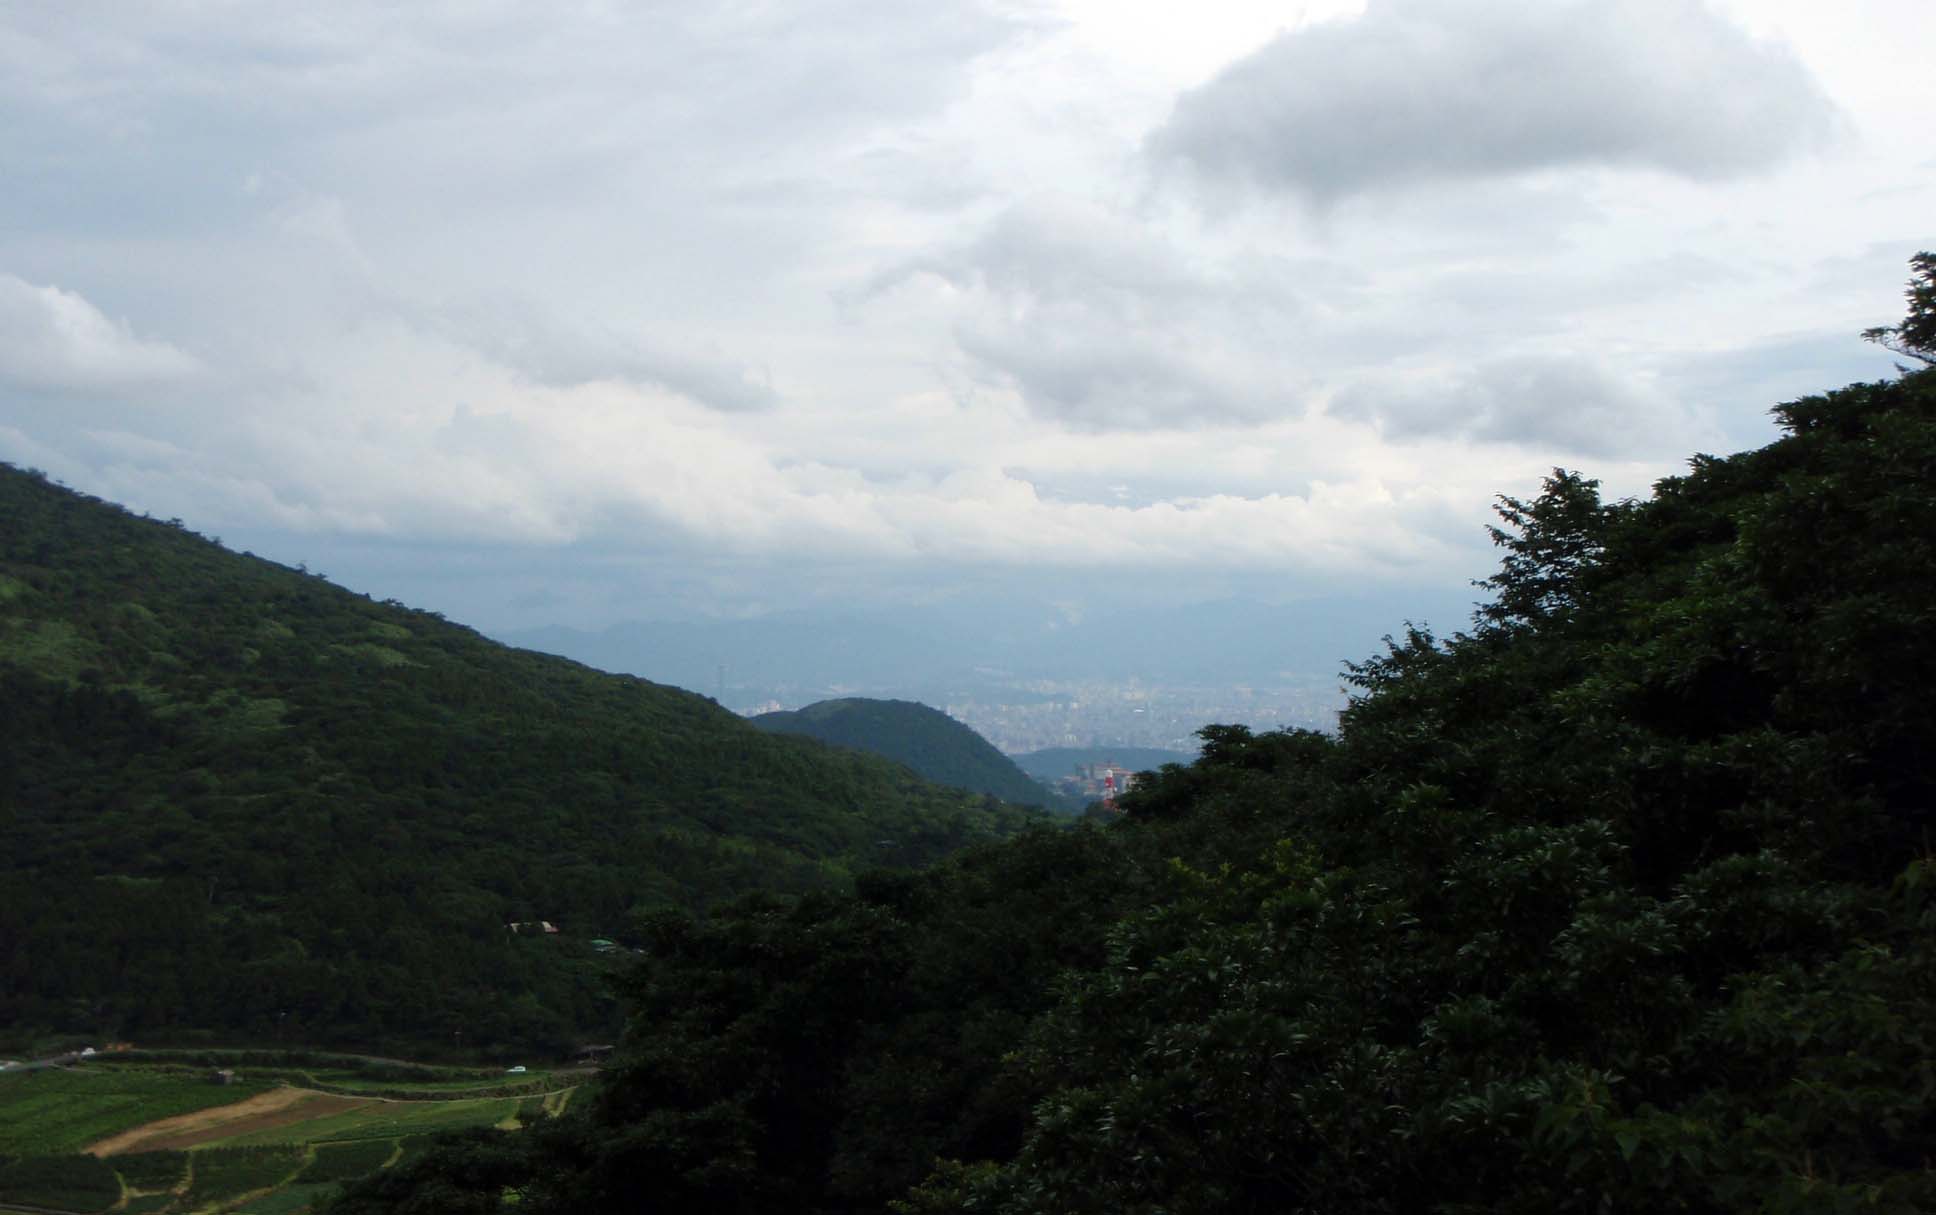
x=388 y=1120
x=159 y=1141
x=57 y=1110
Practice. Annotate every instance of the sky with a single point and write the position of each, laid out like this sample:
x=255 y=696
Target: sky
x=582 y=312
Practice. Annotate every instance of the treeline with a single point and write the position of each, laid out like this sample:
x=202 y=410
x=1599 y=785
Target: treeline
x=238 y=800
x=1620 y=900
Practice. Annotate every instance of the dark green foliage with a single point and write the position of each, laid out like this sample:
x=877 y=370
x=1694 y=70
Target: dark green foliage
x=935 y=745
x=822 y=1052
x=219 y=1174
x=1549 y=542
x=825 y=1051
x=151 y=1170
x=413 y=1147
x=348 y=1161
x=1621 y=901
x=65 y=1183
x=235 y=797
x=1916 y=336
x=466 y=1173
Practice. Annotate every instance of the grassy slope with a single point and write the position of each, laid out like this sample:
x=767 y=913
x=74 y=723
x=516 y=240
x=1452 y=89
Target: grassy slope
x=63 y=1110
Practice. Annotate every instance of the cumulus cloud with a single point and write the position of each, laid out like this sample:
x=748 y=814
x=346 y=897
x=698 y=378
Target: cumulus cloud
x=1575 y=405
x=330 y=217
x=1422 y=90
x=56 y=339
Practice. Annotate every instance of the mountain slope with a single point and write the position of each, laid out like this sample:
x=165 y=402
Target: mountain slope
x=1622 y=900
x=927 y=740
x=236 y=797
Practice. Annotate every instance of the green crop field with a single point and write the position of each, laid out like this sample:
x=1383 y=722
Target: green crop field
x=151 y=1171
x=361 y=1082
x=63 y=1183
x=292 y=1199
x=348 y=1161
x=221 y=1174
x=54 y=1113
x=44 y=1113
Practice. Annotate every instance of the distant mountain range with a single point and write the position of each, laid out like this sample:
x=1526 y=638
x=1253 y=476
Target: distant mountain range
x=925 y=739
x=1054 y=763
x=936 y=652
x=235 y=798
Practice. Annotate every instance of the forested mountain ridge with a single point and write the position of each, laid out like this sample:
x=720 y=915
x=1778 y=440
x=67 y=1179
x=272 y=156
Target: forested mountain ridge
x=1621 y=900
x=927 y=740
x=237 y=798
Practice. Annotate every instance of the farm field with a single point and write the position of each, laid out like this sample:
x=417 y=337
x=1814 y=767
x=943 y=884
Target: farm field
x=46 y=1113
x=164 y=1141
x=348 y=1078
x=279 y=1107
x=385 y=1120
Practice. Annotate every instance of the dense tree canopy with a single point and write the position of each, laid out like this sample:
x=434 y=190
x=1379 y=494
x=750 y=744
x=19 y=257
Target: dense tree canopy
x=1916 y=336
x=935 y=745
x=237 y=799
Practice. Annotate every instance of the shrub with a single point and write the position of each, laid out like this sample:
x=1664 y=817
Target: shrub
x=70 y=1183
x=221 y=1173
x=151 y=1170
x=348 y=1161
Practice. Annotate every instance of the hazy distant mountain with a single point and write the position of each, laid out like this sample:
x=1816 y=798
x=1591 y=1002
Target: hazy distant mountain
x=927 y=740
x=1053 y=763
x=972 y=646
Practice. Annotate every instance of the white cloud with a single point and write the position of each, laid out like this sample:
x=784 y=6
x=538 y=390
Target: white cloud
x=559 y=355
x=55 y=339
x=1098 y=321
x=1421 y=90
x=861 y=284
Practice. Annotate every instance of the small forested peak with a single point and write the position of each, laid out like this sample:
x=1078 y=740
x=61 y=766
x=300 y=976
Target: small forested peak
x=930 y=742
x=1916 y=336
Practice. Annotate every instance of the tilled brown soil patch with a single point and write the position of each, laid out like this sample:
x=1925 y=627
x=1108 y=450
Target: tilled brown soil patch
x=277 y=1107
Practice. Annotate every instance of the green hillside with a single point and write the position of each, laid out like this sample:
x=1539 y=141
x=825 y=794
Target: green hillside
x=927 y=740
x=237 y=798
x=1622 y=900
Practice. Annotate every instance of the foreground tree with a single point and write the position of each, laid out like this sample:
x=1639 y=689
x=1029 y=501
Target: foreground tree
x=1916 y=336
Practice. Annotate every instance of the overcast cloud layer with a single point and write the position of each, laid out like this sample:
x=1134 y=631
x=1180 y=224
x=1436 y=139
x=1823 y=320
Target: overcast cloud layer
x=724 y=311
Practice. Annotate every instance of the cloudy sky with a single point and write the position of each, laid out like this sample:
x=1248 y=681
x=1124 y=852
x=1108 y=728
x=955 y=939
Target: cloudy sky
x=578 y=312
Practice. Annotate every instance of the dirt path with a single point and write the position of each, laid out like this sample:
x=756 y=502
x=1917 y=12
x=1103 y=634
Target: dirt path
x=277 y=1107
